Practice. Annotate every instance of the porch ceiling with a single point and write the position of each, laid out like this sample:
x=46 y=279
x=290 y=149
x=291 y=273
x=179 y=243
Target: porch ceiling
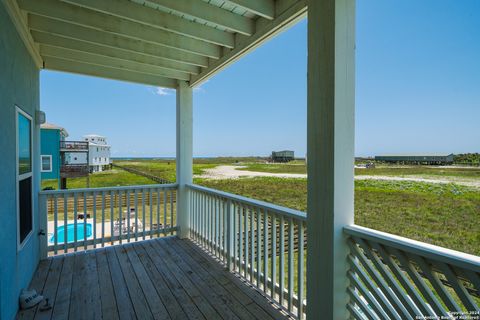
x=156 y=42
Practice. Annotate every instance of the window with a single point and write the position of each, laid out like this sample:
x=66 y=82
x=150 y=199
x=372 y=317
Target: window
x=46 y=163
x=24 y=177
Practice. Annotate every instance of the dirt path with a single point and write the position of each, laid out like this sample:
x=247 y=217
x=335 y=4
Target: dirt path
x=231 y=172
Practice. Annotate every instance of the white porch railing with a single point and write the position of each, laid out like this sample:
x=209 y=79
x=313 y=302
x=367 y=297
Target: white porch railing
x=257 y=240
x=392 y=277
x=104 y=216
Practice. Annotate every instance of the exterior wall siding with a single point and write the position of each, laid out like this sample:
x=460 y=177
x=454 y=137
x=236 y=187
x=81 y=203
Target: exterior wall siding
x=19 y=85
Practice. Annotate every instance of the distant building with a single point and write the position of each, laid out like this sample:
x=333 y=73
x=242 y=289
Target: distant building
x=98 y=152
x=417 y=159
x=283 y=156
x=50 y=137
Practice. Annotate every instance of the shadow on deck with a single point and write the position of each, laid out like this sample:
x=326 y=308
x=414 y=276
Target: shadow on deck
x=165 y=278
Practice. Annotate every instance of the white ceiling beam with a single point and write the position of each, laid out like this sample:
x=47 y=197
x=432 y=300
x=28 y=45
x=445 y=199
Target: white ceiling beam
x=73 y=31
x=263 y=8
x=108 y=73
x=78 y=45
x=21 y=25
x=79 y=56
x=128 y=10
x=246 y=44
x=58 y=10
x=216 y=15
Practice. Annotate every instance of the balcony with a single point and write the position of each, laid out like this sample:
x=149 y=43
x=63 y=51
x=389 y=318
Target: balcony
x=243 y=259
x=73 y=146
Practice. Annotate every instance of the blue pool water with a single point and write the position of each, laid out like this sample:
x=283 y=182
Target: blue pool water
x=71 y=233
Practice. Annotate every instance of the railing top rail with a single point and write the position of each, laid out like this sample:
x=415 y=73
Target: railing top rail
x=296 y=214
x=452 y=257
x=107 y=189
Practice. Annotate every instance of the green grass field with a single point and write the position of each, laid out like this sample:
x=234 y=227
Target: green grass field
x=442 y=214
x=447 y=215
x=109 y=178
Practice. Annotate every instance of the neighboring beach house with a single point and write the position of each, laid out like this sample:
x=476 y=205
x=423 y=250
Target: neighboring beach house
x=98 y=152
x=50 y=137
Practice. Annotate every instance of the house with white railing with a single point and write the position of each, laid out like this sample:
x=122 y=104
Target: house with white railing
x=198 y=252
x=98 y=152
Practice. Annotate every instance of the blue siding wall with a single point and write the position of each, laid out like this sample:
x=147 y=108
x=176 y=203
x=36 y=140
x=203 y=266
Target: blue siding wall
x=50 y=145
x=19 y=85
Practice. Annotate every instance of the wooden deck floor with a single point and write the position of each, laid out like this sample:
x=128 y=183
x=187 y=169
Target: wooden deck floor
x=164 y=278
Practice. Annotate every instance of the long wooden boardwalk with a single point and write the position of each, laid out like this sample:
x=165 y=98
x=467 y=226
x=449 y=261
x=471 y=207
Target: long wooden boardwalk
x=165 y=278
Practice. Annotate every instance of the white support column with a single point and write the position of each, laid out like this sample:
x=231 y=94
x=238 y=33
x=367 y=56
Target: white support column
x=184 y=155
x=330 y=142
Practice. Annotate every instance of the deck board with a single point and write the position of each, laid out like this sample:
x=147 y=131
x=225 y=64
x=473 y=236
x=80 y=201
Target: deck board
x=165 y=278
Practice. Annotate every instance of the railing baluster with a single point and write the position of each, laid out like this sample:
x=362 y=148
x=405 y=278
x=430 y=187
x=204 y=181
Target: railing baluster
x=235 y=237
x=225 y=230
x=195 y=215
x=265 y=251
x=135 y=220
x=151 y=213
x=209 y=222
x=143 y=215
x=290 y=264
x=164 y=213
x=94 y=219
x=120 y=220
x=173 y=224
x=274 y=256
x=217 y=227
x=75 y=231
x=112 y=217
x=65 y=222
x=55 y=223
x=230 y=236
x=282 y=260
x=246 y=238
x=128 y=216
x=252 y=245
x=300 y=276
x=85 y=220
x=103 y=219
x=259 y=246
x=158 y=213
x=240 y=239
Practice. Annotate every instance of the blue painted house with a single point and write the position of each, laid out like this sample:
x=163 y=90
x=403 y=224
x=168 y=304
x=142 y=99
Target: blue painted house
x=50 y=137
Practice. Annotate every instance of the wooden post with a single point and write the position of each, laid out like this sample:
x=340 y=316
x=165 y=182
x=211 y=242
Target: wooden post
x=184 y=155
x=330 y=142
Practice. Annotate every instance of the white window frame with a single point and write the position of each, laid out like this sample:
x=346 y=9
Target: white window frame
x=41 y=162
x=18 y=177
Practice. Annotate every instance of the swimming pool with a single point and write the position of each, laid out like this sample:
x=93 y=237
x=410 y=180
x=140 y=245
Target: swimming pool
x=71 y=233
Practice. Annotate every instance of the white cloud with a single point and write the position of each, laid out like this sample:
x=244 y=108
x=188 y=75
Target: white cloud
x=200 y=88
x=163 y=91
x=160 y=91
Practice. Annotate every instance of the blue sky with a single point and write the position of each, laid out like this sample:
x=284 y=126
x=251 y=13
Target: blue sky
x=417 y=90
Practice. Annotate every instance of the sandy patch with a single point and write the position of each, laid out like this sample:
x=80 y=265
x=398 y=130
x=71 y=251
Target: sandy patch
x=232 y=172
